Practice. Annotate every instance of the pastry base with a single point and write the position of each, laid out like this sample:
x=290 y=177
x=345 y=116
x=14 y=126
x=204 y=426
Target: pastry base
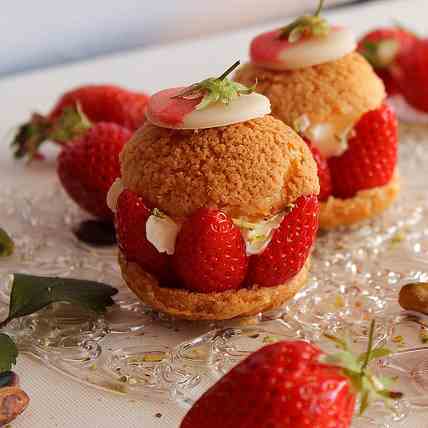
x=208 y=306
x=364 y=205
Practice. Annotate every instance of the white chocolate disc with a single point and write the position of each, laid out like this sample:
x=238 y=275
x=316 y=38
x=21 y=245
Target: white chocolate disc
x=316 y=50
x=241 y=109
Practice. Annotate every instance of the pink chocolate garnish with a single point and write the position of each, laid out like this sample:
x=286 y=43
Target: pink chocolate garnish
x=162 y=108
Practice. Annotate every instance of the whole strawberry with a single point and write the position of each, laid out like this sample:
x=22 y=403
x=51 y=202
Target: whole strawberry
x=88 y=165
x=371 y=156
x=382 y=47
x=324 y=176
x=411 y=74
x=289 y=247
x=291 y=385
x=74 y=113
x=131 y=219
x=210 y=253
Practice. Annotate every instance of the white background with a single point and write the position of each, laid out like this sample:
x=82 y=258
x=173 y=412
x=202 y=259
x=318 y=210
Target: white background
x=45 y=32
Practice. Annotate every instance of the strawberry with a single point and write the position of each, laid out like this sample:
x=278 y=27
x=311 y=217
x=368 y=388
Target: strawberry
x=210 y=252
x=382 y=47
x=371 y=156
x=131 y=218
x=323 y=171
x=74 y=113
x=105 y=103
x=88 y=166
x=412 y=74
x=289 y=247
x=291 y=385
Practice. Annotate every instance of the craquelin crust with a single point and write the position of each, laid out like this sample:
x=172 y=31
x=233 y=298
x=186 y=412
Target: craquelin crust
x=337 y=92
x=208 y=306
x=364 y=205
x=251 y=169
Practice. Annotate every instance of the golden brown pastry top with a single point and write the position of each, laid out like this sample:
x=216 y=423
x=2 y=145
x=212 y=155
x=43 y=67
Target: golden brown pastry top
x=334 y=92
x=251 y=169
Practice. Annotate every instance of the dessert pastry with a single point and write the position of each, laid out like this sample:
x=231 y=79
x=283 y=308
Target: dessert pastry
x=217 y=209
x=320 y=86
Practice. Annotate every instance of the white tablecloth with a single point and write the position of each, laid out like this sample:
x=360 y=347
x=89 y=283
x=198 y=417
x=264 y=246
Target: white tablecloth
x=57 y=401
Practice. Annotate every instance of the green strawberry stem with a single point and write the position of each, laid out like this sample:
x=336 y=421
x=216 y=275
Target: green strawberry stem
x=31 y=135
x=229 y=70
x=320 y=8
x=215 y=89
x=356 y=368
x=306 y=25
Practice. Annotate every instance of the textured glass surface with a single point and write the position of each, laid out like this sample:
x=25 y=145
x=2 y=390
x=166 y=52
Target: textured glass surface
x=356 y=276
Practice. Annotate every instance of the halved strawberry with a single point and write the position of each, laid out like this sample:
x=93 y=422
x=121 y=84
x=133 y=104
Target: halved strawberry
x=371 y=157
x=210 y=253
x=289 y=248
x=323 y=171
x=131 y=218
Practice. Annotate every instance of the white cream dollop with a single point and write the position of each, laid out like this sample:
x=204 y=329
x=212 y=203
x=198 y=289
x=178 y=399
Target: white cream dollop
x=327 y=138
x=258 y=235
x=317 y=50
x=113 y=194
x=162 y=231
x=241 y=109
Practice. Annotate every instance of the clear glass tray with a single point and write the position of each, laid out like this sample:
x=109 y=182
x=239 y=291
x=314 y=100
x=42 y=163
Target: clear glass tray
x=356 y=276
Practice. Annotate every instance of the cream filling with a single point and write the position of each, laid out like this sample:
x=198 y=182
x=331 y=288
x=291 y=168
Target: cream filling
x=331 y=139
x=162 y=230
x=406 y=112
x=257 y=236
x=317 y=50
x=241 y=109
x=113 y=194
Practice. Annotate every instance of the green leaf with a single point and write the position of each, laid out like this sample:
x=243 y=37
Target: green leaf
x=375 y=354
x=32 y=293
x=8 y=353
x=343 y=359
x=6 y=244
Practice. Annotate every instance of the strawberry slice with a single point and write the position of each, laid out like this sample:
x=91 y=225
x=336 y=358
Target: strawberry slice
x=163 y=108
x=210 y=253
x=131 y=218
x=289 y=248
x=371 y=157
x=324 y=176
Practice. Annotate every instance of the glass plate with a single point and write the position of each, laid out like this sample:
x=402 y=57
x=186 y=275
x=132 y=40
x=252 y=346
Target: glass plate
x=356 y=276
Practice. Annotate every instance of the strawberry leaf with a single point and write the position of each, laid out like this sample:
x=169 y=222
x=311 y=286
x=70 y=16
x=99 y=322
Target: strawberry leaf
x=6 y=244
x=8 y=353
x=32 y=293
